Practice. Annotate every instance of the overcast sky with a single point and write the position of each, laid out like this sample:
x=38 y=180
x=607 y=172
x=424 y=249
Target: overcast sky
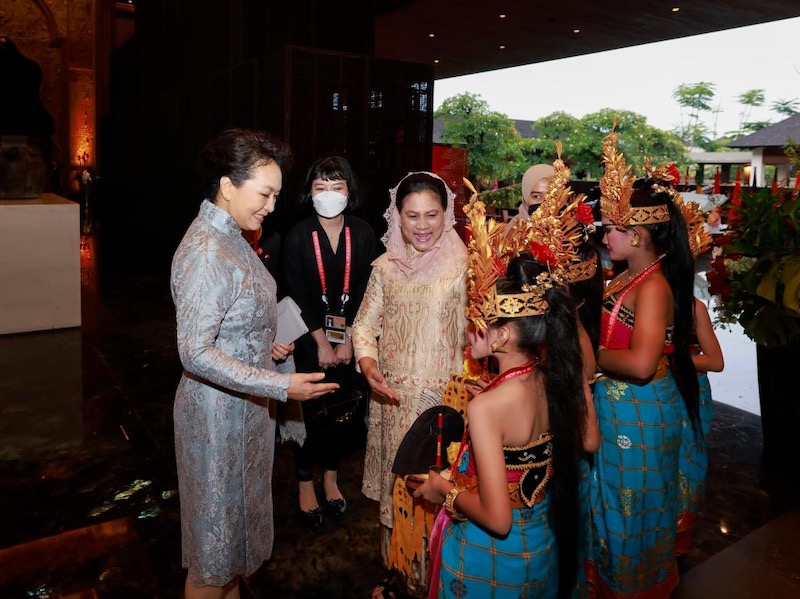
x=737 y=60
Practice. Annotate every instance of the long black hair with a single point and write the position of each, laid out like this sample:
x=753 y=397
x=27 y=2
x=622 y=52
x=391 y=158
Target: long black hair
x=553 y=338
x=588 y=295
x=672 y=239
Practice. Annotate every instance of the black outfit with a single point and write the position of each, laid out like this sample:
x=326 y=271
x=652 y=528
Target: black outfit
x=269 y=251
x=326 y=440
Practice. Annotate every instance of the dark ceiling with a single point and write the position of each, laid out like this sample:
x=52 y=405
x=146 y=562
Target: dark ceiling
x=468 y=35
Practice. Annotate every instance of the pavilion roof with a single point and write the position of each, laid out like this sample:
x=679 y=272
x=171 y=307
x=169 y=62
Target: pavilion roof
x=776 y=135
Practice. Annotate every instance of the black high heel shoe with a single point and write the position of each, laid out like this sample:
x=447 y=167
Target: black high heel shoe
x=313 y=517
x=337 y=507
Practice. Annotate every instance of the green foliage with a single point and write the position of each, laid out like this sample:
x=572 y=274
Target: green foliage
x=495 y=146
x=582 y=140
x=497 y=152
x=750 y=99
x=696 y=98
x=786 y=107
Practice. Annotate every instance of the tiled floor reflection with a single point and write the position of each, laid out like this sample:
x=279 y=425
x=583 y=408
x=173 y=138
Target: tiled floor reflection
x=89 y=506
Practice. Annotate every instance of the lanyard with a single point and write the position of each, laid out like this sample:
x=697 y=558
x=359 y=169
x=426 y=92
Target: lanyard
x=321 y=269
x=612 y=320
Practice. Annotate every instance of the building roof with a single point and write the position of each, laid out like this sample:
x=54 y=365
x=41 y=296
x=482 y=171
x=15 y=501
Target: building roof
x=774 y=136
x=460 y=37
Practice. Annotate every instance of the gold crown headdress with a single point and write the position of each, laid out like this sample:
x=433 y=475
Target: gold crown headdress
x=552 y=235
x=616 y=188
x=699 y=237
x=490 y=251
x=560 y=226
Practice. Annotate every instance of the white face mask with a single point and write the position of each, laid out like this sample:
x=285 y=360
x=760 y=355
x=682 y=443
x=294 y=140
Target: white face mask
x=329 y=203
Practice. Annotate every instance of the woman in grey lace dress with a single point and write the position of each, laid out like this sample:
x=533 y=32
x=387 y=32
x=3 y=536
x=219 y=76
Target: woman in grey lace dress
x=233 y=372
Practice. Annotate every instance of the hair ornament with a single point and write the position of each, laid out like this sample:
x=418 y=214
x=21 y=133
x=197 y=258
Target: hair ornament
x=663 y=173
x=616 y=189
x=561 y=225
x=700 y=239
x=489 y=252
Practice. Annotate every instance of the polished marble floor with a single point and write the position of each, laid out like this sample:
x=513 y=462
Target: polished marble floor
x=89 y=504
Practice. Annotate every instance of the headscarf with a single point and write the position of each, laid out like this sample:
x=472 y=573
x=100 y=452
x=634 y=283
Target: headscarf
x=531 y=177
x=448 y=251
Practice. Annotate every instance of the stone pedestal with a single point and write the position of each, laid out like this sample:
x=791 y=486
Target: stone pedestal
x=40 y=271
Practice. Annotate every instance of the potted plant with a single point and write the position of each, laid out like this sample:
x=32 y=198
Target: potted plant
x=756 y=278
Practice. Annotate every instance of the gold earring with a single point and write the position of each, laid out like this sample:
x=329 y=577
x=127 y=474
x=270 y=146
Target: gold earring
x=635 y=240
x=498 y=348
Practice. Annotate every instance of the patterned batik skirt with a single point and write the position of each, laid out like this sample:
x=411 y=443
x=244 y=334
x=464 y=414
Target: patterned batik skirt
x=634 y=489
x=478 y=564
x=693 y=467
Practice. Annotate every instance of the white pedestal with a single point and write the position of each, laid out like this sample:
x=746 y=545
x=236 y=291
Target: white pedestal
x=40 y=268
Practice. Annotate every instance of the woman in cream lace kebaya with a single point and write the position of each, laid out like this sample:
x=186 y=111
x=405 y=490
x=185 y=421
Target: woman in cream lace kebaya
x=408 y=337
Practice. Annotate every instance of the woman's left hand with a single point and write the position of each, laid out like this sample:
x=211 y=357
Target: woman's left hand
x=280 y=351
x=434 y=489
x=344 y=352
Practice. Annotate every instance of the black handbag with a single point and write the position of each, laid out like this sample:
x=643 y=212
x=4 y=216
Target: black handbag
x=338 y=408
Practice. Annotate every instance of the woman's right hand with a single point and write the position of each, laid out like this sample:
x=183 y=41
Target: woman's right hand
x=369 y=368
x=303 y=386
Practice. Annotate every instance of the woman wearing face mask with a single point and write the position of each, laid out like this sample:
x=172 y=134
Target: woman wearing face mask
x=533 y=186
x=409 y=336
x=326 y=261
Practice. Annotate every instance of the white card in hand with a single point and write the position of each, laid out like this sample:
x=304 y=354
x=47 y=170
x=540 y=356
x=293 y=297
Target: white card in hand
x=290 y=324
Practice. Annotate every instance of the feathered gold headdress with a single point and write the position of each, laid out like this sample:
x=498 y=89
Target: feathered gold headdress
x=616 y=188
x=560 y=226
x=663 y=172
x=552 y=236
x=699 y=237
x=489 y=252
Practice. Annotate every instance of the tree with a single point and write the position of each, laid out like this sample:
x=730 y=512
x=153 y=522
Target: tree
x=752 y=98
x=786 y=107
x=582 y=140
x=697 y=98
x=495 y=146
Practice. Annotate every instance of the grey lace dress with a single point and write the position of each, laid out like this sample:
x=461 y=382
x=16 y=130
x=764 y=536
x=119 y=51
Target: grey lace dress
x=225 y=404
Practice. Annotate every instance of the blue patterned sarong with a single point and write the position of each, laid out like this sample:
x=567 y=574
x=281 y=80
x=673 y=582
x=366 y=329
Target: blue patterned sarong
x=693 y=467
x=634 y=488
x=476 y=564
x=523 y=564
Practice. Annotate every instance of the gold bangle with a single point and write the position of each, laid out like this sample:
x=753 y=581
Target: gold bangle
x=449 y=503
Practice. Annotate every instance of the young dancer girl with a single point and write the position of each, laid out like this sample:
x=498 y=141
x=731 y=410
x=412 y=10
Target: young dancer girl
x=647 y=389
x=510 y=523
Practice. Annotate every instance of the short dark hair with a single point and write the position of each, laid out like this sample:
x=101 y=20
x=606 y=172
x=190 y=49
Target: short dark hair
x=235 y=153
x=332 y=168
x=417 y=183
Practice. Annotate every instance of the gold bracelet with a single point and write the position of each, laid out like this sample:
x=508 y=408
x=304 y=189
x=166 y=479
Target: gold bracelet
x=449 y=504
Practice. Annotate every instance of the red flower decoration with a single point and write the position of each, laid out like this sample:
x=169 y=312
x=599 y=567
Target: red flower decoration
x=676 y=174
x=500 y=267
x=723 y=240
x=719 y=278
x=543 y=254
x=584 y=213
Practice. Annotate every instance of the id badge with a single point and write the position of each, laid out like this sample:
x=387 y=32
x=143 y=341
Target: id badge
x=334 y=328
